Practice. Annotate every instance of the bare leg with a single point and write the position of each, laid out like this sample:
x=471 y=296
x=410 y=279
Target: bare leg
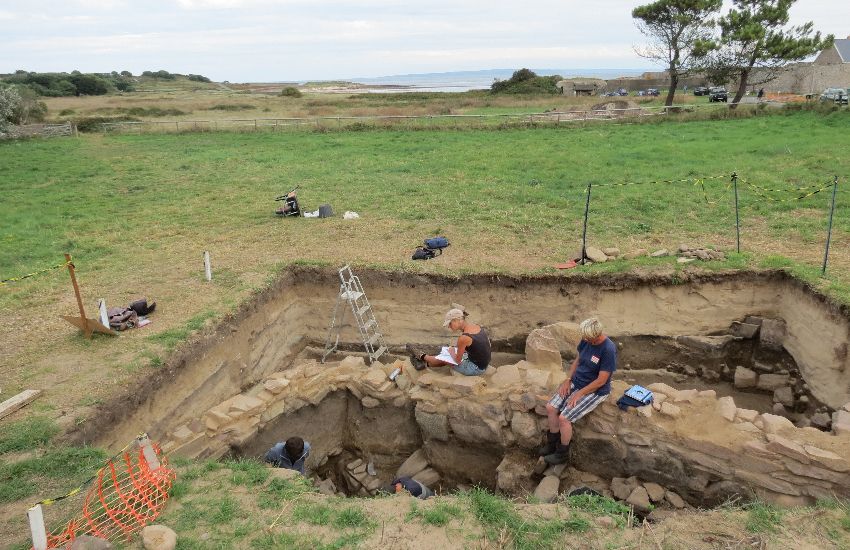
x=434 y=362
x=552 y=414
x=566 y=430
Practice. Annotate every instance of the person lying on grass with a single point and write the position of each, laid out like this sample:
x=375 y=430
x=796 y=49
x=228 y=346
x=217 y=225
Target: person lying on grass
x=588 y=384
x=472 y=353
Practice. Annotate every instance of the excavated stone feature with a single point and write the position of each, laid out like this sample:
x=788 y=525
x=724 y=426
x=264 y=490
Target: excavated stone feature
x=701 y=449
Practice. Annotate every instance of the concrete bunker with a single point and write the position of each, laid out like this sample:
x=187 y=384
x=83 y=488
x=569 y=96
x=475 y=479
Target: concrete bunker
x=735 y=346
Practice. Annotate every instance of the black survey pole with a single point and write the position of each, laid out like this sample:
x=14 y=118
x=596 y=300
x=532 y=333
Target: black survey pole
x=584 y=232
x=737 y=217
x=829 y=231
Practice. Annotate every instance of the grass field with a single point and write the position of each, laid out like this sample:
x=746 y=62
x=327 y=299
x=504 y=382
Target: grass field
x=137 y=212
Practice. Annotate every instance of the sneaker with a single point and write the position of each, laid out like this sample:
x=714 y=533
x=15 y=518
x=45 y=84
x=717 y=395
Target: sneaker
x=416 y=356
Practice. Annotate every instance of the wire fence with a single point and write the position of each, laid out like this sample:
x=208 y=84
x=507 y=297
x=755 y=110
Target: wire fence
x=397 y=121
x=769 y=194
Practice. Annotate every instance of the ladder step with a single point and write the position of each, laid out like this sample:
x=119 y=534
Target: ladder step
x=370 y=323
x=363 y=310
x=374 y=339
x=380 y=351
x=350 y=295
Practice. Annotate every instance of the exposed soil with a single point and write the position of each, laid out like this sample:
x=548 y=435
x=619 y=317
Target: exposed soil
x=270 y=330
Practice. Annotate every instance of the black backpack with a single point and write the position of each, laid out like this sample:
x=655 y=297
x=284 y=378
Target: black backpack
x=422 y=253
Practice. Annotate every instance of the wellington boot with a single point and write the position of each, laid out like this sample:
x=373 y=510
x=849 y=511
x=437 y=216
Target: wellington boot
x=560 y=456
x=552 y=440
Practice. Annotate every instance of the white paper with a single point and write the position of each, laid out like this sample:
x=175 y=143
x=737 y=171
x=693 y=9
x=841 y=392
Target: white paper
x=446 y=356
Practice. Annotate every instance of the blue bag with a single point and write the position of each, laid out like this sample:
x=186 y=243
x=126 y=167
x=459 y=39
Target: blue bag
x=436 y=243
x=636 y=396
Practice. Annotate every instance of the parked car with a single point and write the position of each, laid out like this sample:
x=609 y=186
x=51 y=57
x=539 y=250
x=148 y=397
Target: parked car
x=622 y=92
x=718 y=93
x=836 y=95
x=653 y=92
x=700 y=90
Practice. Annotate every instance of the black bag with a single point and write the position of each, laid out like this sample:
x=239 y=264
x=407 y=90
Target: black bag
x=422 y=253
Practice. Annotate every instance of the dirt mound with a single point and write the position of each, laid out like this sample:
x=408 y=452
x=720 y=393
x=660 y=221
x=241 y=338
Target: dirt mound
x=616 y=104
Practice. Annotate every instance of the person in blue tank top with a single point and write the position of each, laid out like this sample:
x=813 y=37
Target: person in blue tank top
x=588 y=384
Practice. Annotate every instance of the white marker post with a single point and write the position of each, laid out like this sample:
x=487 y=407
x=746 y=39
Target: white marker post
x=148 y=452
x=104 y=318
x=39 y=534
x=207 y=266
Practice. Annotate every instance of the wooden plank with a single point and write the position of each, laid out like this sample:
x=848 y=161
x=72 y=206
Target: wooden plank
x=12 y=404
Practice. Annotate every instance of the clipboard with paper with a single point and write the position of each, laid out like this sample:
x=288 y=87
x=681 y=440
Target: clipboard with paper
x=445 y=356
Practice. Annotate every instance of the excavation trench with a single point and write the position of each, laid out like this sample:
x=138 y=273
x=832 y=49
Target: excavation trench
x=765 y=340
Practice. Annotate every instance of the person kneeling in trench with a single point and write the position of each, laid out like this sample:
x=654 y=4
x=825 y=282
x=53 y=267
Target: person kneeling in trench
x=588 y=384
x=290 y=455
x=472 y=353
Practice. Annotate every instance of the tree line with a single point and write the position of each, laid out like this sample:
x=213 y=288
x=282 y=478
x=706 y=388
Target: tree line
x=76 y=83
x=748 y=44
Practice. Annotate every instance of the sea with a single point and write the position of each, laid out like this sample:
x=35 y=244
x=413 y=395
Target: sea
x=462 y=81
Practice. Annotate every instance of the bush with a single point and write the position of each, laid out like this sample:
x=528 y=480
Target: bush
x=9 y=100
x=198 y=78
x=525 y=81
x=291 y=91
x=231 y=107
x=92 y=124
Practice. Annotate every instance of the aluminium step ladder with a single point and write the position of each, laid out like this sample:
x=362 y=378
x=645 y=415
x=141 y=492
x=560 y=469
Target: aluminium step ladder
x=351 y=291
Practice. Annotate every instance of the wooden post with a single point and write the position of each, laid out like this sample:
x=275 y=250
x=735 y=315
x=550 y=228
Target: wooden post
x=207 y=266
x=829 y=231
x=86 y=330
x=39 y=533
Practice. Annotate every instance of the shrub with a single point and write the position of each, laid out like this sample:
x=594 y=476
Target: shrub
x=198 y=78
x=525 y=81
x=291 y=91
x=231 y=107
x=92 y=124
x=9 y=100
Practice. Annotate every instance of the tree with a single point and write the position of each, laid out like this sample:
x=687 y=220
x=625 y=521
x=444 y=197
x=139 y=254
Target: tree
x=753 y=36
x=89 y=84
x=680 y=34
x=9 y=101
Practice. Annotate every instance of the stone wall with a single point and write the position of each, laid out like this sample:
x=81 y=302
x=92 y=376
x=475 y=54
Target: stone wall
x=472 y=428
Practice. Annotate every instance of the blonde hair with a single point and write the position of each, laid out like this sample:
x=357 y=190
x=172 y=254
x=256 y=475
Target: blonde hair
x=590 y=328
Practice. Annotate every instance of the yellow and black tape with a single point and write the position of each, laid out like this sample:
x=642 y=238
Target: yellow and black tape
x=656 y=182
x=760 y=191
x=34 y=273
x=81 y=486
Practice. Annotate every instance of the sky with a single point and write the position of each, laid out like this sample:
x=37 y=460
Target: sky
x=298 y=40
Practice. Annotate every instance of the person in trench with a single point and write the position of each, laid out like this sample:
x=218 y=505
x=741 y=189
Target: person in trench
x=290 y=454
x=588 y=384
x=472 y=352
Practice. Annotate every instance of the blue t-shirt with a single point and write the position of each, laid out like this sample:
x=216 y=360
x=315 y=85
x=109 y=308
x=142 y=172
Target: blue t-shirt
x=592 y=360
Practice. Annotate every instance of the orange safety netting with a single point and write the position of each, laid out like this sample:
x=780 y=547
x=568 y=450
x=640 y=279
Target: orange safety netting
x=126 y=495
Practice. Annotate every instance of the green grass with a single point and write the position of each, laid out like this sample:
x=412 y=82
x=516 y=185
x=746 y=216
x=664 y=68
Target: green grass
x=171 y=337
x=438 y=514
x=279 y=490
x=497 y=515
x=600 y=506
x=763 y=518
x=58 y=470
x=26 y=434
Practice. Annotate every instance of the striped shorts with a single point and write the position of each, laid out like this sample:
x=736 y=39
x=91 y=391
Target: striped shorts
x=584 y=405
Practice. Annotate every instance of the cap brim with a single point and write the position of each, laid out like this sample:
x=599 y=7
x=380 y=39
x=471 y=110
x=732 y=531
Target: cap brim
x=446 y=323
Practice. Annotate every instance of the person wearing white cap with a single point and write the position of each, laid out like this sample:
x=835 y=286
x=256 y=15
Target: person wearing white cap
x=472 y=352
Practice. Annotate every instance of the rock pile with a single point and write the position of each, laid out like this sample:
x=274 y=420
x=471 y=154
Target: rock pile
x=688 y=254
x=485 y=430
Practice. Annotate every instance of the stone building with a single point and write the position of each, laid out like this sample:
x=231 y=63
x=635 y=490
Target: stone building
x=830 y=69
x=581 y=86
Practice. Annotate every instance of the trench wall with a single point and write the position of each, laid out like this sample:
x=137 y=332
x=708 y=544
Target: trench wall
x=269 y=330
x=703 y=448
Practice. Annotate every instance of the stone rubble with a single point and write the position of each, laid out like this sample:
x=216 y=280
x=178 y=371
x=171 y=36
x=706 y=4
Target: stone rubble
x=666 y=457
